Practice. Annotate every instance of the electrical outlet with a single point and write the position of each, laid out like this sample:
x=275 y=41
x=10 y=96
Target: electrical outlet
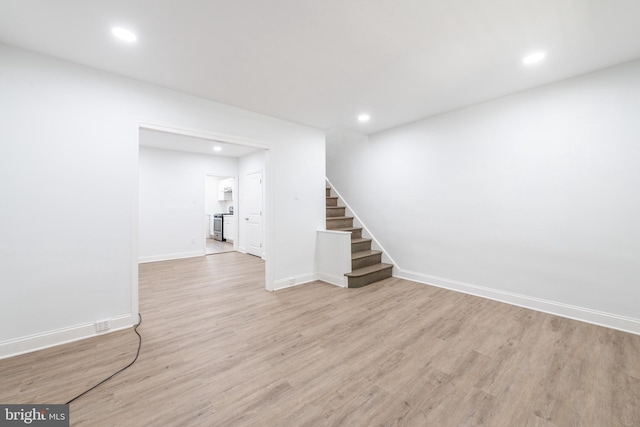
x=103 y=325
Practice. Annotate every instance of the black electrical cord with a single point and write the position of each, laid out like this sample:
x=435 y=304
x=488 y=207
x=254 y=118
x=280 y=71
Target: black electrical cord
x=135 y=329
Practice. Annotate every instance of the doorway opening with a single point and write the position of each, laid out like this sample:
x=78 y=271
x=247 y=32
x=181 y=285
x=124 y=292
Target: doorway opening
x=220 y=200
x=164 y=229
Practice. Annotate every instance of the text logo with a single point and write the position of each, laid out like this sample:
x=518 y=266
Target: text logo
x=34 y=415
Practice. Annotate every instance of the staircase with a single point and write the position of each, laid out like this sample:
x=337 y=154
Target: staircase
x=366 y=264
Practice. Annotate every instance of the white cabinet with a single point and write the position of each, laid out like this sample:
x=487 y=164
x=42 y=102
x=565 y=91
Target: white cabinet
x=225 y=189
x=229 y=228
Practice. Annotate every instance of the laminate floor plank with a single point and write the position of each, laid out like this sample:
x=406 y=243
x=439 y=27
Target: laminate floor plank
x=219 y=350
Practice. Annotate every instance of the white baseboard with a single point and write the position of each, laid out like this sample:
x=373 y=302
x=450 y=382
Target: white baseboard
x=332 y=279
x=167 y=257
x=306 y=278
x=48 y=339
x=293 y=281
x=609 y=320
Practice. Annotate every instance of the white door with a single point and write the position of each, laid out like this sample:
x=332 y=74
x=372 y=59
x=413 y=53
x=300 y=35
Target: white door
x=254 y=214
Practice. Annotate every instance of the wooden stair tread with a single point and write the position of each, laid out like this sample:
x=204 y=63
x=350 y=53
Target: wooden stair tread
x=335 y=212
x=350 y=229
x=339 y=217
x=360 y=239
x=369 y=269
x=362 y=254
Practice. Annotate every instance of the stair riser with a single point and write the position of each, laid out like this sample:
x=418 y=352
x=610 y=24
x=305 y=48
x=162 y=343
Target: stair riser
x=335 y=211
x=357 y=282
x=339 y=223
x=360 y=246
x=356 y=234
x=328 y=192
x=332 y=201
x=366 y=261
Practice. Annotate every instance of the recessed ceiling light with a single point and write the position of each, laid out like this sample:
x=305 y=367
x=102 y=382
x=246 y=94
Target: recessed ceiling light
x=533 y=58
x=362 y=118
x=124 y=34
x=217 y=148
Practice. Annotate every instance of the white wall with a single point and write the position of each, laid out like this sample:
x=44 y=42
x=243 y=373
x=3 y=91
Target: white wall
x=69 y=143
x=532 y=199
x=172 y=215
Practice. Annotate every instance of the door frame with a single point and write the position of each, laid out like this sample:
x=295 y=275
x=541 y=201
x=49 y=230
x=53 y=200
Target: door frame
x=213 y=136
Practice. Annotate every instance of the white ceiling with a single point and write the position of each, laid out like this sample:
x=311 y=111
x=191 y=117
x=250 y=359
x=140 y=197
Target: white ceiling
x=322 y=62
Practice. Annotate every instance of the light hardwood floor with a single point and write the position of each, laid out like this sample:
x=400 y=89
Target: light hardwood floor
x=216 y=247
x=218 y=350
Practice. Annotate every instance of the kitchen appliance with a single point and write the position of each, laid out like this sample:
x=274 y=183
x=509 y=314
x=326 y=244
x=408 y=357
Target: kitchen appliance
x=217 y=227
x=231 y=210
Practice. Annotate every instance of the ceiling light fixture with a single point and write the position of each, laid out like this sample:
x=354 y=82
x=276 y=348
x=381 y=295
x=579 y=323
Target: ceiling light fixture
x=533 y=58
x=124 y=34
x=217 y=148
x=362 y=118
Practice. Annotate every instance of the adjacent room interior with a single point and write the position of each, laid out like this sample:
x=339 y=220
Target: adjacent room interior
x=213 y=175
